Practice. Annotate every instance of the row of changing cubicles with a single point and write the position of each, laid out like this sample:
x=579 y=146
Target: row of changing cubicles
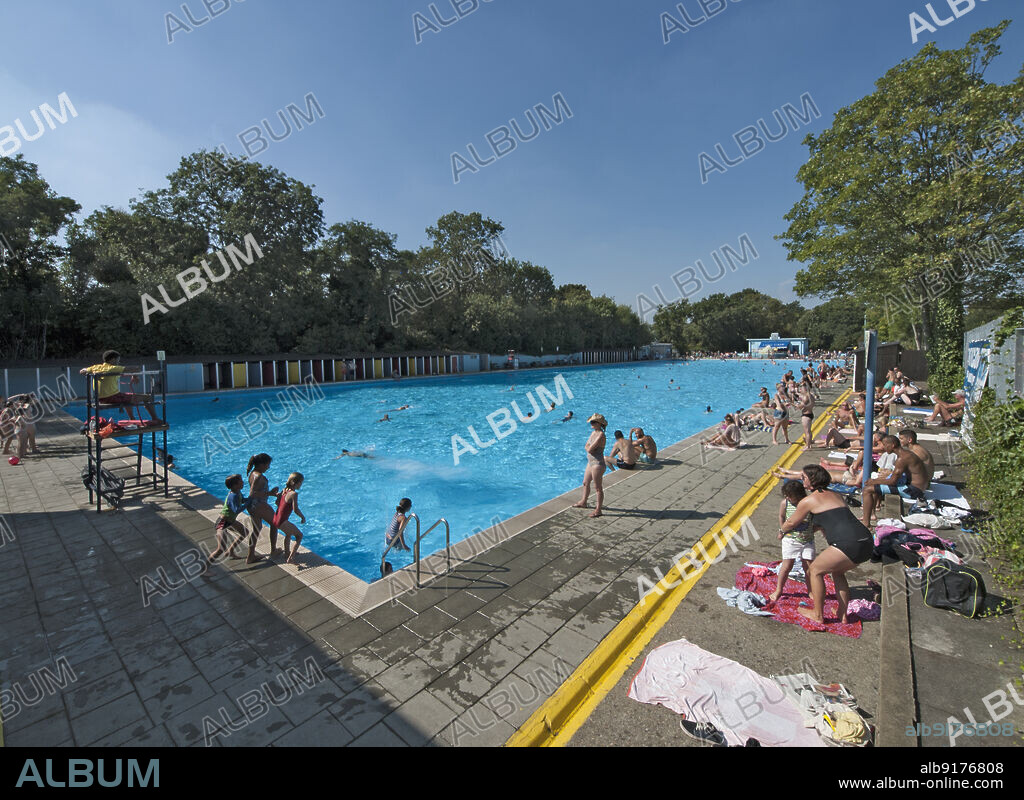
x=238 y=375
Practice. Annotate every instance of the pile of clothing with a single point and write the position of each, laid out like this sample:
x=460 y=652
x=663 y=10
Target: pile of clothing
x=915 y=547
x=829 y=708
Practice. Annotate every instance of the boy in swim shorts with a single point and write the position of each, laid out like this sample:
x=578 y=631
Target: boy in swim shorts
x=234 y=504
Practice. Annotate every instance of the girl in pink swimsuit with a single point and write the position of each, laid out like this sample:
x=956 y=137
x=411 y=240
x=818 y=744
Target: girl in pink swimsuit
x=286 y=503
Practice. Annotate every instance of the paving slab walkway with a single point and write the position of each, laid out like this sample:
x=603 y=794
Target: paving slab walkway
x=248 y=655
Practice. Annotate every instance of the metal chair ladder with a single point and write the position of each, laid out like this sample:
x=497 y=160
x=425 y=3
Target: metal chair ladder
x=416 y=546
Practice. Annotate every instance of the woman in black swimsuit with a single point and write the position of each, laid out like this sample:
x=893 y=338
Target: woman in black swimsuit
x=850 y=542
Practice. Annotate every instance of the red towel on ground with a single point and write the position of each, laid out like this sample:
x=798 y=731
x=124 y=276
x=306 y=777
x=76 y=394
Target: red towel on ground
x=794 y=593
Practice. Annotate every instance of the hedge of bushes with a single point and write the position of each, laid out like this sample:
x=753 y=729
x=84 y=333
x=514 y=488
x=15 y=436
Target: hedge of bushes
x=995 y=467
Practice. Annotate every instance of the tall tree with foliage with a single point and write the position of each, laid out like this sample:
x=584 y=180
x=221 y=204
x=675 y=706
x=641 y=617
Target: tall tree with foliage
x=835 y=325
x=723 y=323
x=32 y=216
x=913 y=198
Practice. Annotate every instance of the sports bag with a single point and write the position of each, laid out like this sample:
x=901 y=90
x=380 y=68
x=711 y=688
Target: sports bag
x=955 y=586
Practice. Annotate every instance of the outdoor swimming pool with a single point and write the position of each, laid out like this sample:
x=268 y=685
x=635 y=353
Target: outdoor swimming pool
x=349 y=501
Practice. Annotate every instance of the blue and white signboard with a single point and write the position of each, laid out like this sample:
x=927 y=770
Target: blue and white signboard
x=975 y=379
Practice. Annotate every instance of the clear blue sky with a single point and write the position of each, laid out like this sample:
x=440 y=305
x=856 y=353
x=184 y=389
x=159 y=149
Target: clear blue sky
x=611 y=198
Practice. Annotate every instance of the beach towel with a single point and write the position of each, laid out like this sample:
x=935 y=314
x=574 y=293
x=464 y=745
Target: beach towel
x=793 y=595
x=948 y=494
x=866 y=610
x=747 y=602
x=705 y=687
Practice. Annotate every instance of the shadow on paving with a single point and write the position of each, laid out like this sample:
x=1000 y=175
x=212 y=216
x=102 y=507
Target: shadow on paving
x=111 y=638
x=108 y=641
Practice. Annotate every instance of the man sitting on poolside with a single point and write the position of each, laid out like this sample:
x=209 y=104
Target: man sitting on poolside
x=908 y=438
x=647 y=444
x=108 y=387
x=945 y=410
x=624 y=453
x=909 y=478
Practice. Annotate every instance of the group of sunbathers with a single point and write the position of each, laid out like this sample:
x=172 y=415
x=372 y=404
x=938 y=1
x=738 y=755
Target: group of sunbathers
x=771 y=411
x=626 y=453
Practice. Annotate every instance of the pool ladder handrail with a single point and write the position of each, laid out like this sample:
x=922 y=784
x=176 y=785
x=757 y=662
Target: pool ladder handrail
x=447 y=546
x=416 y=546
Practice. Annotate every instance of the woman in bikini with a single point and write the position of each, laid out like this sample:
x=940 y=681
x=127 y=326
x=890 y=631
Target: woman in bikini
x=595 y=463
x=806 y=417
x=259 y=509
x=286 y=504
x=780 y=416
x=850 y=543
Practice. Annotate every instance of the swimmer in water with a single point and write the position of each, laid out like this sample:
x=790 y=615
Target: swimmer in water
x=707 y=410
x=552 y=407
x=400 y=408
x=385 y=418
x=567 y=417
x=356 y=454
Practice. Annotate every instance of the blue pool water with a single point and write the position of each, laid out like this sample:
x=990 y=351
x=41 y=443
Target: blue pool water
x=348 y=502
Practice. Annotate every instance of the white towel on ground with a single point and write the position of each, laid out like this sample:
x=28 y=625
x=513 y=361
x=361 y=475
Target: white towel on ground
x=705 y=687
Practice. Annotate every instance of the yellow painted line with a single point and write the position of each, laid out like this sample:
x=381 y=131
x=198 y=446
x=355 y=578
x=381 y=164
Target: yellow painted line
x=555 y=722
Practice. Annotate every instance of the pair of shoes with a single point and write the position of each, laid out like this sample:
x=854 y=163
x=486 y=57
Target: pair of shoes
x=703 y=732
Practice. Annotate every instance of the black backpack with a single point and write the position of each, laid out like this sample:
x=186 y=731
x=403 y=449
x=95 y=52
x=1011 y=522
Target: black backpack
x=955 y=586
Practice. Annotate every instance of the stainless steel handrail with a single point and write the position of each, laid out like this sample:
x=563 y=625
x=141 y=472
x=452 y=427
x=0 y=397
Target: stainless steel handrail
x=447 y=546
x=395 y=540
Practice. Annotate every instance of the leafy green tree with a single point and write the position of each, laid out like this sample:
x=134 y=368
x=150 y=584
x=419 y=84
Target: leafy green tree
x=32 y=216
x=913 y=197
x=835 y=325
x=210 y=204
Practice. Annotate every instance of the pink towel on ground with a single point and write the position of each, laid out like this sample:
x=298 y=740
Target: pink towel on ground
x=793 y=593
x=704 y=687
x=866 y=610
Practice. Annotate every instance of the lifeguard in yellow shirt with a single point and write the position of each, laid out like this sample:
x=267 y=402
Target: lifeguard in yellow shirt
x=108 y=387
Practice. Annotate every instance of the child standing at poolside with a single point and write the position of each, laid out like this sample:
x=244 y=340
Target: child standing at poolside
x=234 y=504
x=286 y=503
x=799 y=542
x=396 y=528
